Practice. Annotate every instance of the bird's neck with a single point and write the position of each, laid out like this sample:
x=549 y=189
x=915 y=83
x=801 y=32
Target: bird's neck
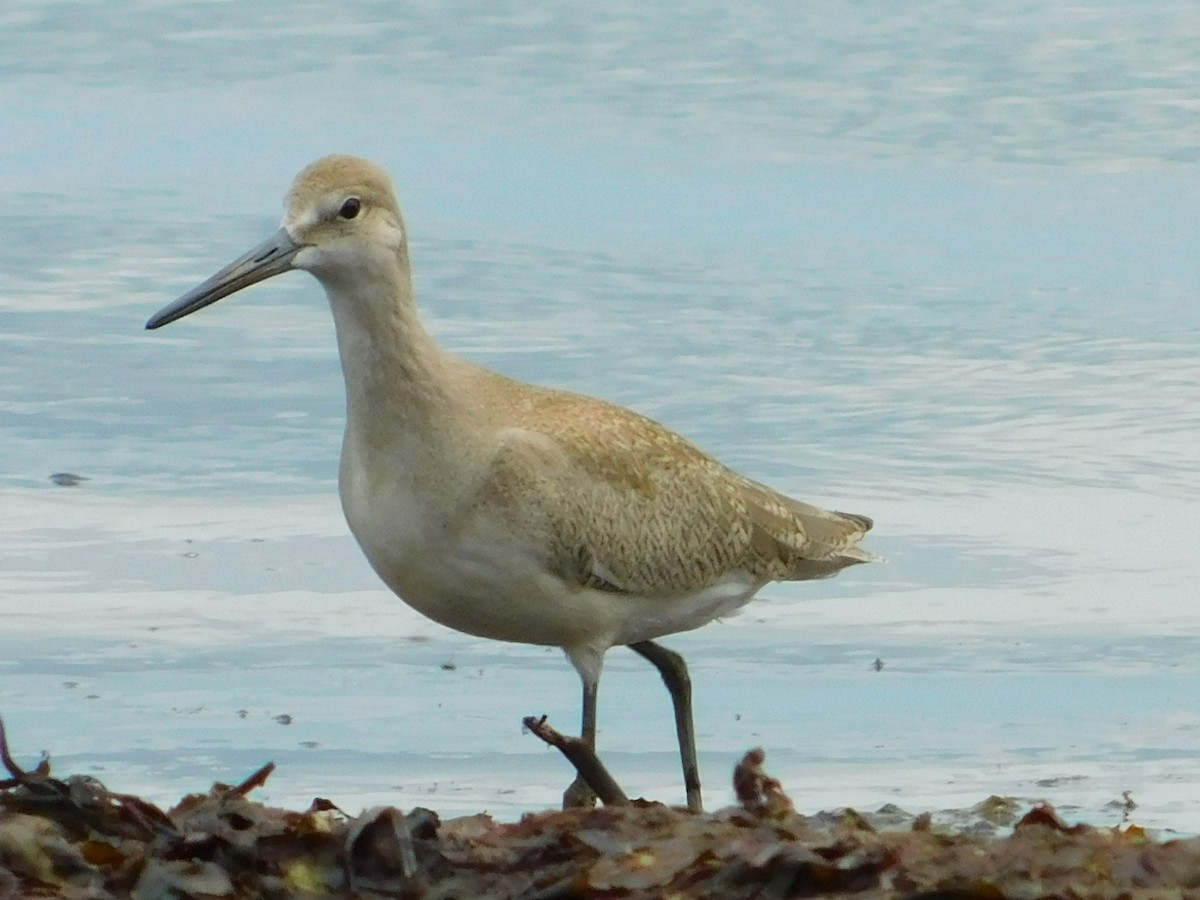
x=396 y=375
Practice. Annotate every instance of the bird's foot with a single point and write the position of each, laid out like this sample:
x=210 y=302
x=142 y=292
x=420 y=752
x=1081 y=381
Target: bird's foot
x=579 y=794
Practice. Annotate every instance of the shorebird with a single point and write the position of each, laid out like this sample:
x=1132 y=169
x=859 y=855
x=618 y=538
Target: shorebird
x=516 y=512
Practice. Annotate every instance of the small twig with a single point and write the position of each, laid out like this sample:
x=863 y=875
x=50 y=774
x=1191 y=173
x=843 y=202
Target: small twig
x=80 y=801
x=256 y=780
x=19 y=775
x=9 y=763
x=583 y=758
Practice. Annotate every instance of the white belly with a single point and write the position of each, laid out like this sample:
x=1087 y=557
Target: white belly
x=493 y=584
x=482 y=576
x=485 y=582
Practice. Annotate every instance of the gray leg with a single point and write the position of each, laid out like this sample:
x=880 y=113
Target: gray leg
x=588 y=729
x=674 y=674
x=578 y=793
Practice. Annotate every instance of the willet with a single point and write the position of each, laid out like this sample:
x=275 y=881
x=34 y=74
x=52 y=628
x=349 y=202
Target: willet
x=517 y=512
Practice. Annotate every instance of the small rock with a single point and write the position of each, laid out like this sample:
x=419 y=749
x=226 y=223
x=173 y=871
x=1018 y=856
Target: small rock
x=67 y=479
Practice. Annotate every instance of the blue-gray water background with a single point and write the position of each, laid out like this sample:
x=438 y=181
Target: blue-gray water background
x=937 y=265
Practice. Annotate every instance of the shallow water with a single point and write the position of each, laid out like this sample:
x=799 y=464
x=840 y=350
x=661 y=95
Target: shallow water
x=938 y=267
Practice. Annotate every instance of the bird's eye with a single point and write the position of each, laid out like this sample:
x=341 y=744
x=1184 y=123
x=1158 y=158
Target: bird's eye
x=350 y=208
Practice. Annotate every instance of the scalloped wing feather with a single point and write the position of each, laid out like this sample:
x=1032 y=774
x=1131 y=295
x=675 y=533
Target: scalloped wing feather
x=626 y=504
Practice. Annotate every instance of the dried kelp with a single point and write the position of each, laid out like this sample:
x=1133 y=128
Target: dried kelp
x=73 y=838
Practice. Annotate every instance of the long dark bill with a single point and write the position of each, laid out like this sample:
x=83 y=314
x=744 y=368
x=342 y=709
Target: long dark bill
x=272 y=257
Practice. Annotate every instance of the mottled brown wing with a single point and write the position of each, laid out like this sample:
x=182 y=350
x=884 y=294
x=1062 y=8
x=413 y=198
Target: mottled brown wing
x=630 y=505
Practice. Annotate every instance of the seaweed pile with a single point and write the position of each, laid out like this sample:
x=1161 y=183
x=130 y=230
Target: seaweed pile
x=73 y=838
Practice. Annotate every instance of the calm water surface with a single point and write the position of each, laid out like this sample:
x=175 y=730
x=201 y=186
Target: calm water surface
x=936 y=266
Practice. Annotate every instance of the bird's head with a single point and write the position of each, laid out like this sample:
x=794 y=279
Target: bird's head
x=340 y=217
